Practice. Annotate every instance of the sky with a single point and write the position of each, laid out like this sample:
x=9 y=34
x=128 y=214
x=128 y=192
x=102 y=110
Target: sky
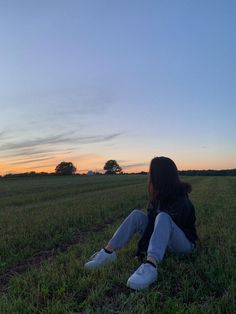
x=87 y=81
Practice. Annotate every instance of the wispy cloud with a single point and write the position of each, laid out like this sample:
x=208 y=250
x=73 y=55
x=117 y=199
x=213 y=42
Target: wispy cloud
x=30 y=161
x=39 y=152
x=143 y=164
x=26 y=149
x=35 y=142
x=96 y=139
x=65 y=138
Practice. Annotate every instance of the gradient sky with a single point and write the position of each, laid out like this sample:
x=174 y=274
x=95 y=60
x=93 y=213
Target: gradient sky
x=87 y=81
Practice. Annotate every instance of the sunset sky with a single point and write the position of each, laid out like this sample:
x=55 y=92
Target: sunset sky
x=87 y=81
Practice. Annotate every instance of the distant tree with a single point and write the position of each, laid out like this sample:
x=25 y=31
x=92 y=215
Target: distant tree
x=112 y=167
x=65 y=168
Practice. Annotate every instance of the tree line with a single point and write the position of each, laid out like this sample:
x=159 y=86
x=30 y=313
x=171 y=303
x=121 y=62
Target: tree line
x=68 y=168
x=210 y=172
x=112 y=167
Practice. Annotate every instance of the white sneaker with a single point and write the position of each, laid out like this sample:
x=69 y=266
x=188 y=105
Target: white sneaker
x=100 y=258
x=145 y=275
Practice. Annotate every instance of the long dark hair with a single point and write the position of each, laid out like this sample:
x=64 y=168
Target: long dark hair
x=164 y=183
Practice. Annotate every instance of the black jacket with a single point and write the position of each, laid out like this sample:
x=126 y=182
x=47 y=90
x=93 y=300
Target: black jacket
x=181 y=211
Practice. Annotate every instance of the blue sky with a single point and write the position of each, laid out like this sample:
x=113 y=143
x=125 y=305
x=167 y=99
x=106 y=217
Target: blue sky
x=88 y=81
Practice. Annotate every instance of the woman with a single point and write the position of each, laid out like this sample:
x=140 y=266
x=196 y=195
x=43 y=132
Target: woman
x=170 y=222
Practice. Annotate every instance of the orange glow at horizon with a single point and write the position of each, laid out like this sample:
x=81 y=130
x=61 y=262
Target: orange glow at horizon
x=83 y=163
x=95 y=162
x=86 y=163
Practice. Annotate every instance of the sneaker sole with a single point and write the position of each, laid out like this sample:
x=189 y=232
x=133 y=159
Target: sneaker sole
x=136 y=286
x=92 y=266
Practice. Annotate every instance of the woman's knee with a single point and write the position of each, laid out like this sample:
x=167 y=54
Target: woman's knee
x=163 y=215
x=163 y=218
x=138 y=214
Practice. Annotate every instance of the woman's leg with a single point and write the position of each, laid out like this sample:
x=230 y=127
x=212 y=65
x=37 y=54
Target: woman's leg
x=135 y=222
x=167 y=234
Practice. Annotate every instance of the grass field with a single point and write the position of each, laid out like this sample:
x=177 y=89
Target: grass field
x=49 y=226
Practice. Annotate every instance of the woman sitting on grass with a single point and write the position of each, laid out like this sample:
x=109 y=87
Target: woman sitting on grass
x=170 y=222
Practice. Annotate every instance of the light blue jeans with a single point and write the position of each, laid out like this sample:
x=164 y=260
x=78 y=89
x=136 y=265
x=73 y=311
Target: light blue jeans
x=165 y=234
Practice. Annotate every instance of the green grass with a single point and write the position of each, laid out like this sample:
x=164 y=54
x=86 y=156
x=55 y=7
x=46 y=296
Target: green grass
x=43 y=213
